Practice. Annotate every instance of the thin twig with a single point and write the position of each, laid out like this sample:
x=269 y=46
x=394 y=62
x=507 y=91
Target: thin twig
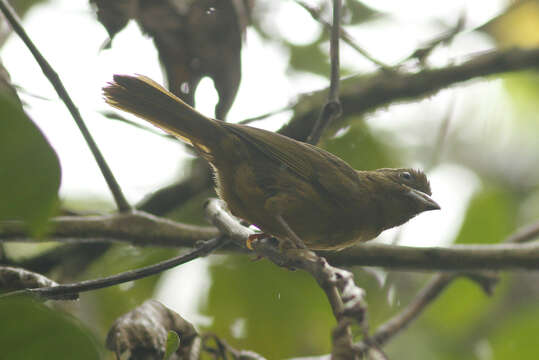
x=118 y=117
x=399 y=322
x=224 y=348
x=16 y=278
x=53 y=77
x=426 y=296
x=345 y=36
x=268 y=114
x=390 y=328
x=332 y=108
x=361 y=94
x=54 y=292
x=445 y=38
x=524 y=234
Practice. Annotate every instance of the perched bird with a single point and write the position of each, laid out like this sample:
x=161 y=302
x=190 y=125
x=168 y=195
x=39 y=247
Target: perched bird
x=292 y=190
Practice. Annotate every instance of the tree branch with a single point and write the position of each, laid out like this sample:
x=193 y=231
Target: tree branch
x=361 y=94
x=143 y=229
x=137 y=228
x=456 y=257
x=61 y=291
x=426 y=296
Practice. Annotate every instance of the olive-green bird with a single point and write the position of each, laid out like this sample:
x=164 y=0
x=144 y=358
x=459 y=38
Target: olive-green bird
x=292 y=190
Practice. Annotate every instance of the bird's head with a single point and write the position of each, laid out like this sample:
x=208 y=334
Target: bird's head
x=400 y=194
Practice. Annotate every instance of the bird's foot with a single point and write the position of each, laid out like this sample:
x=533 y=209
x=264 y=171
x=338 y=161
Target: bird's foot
x=254 y=237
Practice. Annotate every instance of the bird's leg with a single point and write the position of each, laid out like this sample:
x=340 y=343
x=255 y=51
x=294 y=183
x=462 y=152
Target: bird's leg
x=295 y=239
x=299 y=248
x=277 y=205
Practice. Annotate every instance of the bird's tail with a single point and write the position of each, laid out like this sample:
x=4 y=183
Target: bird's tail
x=145 y=98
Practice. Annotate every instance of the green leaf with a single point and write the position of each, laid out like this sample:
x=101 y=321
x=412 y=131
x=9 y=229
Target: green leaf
x=29 y=169
x=356 y=12
x=275 y=312
x=310 y=58
x=458 y=309
x=515 y=336
x=360 y=148
x=490 y=217
x=173 y=344
x=523 y=92
x=30 y=330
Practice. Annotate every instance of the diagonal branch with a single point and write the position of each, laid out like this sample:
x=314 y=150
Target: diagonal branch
x=61 y=291
x=361 y=94
x=426 y=296
x=344 y=35
x=54 y=79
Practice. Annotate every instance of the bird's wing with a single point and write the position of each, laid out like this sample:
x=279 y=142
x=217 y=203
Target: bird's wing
x=311 y=163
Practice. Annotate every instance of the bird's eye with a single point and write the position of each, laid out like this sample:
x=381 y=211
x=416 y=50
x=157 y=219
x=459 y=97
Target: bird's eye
x=406 y=175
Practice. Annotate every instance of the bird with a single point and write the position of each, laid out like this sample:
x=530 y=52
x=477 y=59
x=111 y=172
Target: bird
x=299 y=193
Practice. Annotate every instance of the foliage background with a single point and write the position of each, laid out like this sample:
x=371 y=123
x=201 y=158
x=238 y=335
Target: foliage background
x=485 y=176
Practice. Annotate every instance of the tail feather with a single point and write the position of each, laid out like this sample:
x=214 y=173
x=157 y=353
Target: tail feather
x=145 y=98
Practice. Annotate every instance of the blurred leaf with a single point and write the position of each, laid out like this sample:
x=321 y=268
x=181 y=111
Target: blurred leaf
x=29 y=169
x=458 y=309
x=272 y=311
x=192 y=210
x=114 y=15
x=194 y=39
x=360 y=148
x=518 y=26
x=114 y=301
x=31 y=330
x=491 y=216
x=356 y=12
x=523 y=90
x=310 y=58
x=22 y=6
x=516 y=335
x=173 y=344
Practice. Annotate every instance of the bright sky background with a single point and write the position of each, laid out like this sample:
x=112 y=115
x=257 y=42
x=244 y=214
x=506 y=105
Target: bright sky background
x=70 y=37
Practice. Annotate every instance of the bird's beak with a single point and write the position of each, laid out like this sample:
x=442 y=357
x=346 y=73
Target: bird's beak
x=424 y=199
